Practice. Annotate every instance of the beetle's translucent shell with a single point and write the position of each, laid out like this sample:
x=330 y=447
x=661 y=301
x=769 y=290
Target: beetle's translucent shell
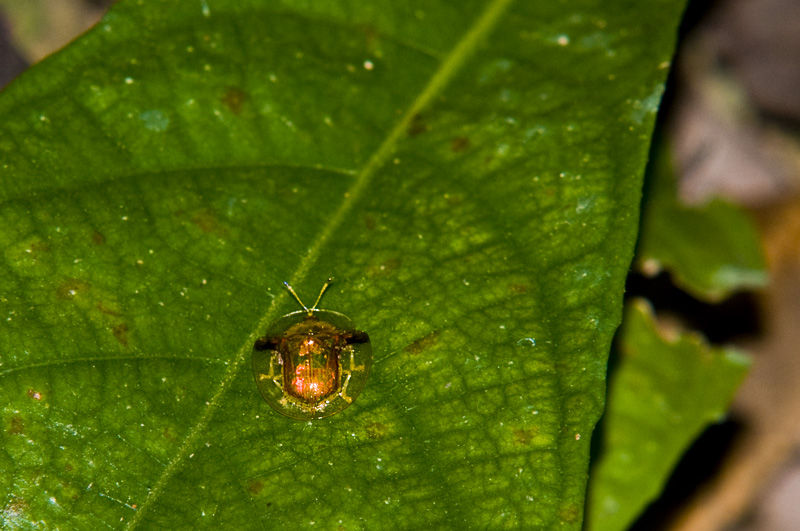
x=312 y=363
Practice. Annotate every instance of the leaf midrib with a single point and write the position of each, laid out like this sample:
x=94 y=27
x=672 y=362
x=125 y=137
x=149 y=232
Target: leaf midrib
x=463 y=49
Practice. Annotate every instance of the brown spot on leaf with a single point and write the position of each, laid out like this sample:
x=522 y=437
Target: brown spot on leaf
x=98 y=238
x=120 y=332
x=106 y=310
x=417 y=125
x=459 y=144
x=15 y=508
x=16 y=425
x=38 y=248
x=370 y=222
x=255 y=486
x=68 y=467
x=518 y=289
x=453 y=200
x=33 y=393
x=70 y=287
x=524 y=437
x=207 y=221
x=234 y=99
x=390 y=265
x=376 y=430
x=370 y=35
x=170 y=433
x=570 y=513
x=423 y=343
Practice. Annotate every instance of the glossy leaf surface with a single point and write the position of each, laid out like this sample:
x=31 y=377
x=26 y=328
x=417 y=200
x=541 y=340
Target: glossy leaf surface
x=469 y=171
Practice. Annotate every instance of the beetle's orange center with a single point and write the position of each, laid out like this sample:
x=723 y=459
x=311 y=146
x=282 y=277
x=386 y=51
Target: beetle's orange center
x=314 y=375
x=311 y=384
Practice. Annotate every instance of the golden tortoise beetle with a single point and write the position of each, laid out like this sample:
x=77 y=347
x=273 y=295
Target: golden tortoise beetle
x=311 y=363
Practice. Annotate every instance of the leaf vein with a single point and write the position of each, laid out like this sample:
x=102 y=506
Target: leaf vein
x=463 y=50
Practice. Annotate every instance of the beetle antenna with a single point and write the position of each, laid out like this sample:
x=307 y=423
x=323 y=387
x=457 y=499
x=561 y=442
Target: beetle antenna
x=296 y=297
x=328 y=283
x=309 y=310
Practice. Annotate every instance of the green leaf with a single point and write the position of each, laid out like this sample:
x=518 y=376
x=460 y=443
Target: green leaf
x=710 y=250
x=470 y=174
x=663 y=394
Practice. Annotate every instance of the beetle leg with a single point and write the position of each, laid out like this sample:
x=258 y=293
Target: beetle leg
x=353 y=366
x=276 y=377
x=343 y=391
